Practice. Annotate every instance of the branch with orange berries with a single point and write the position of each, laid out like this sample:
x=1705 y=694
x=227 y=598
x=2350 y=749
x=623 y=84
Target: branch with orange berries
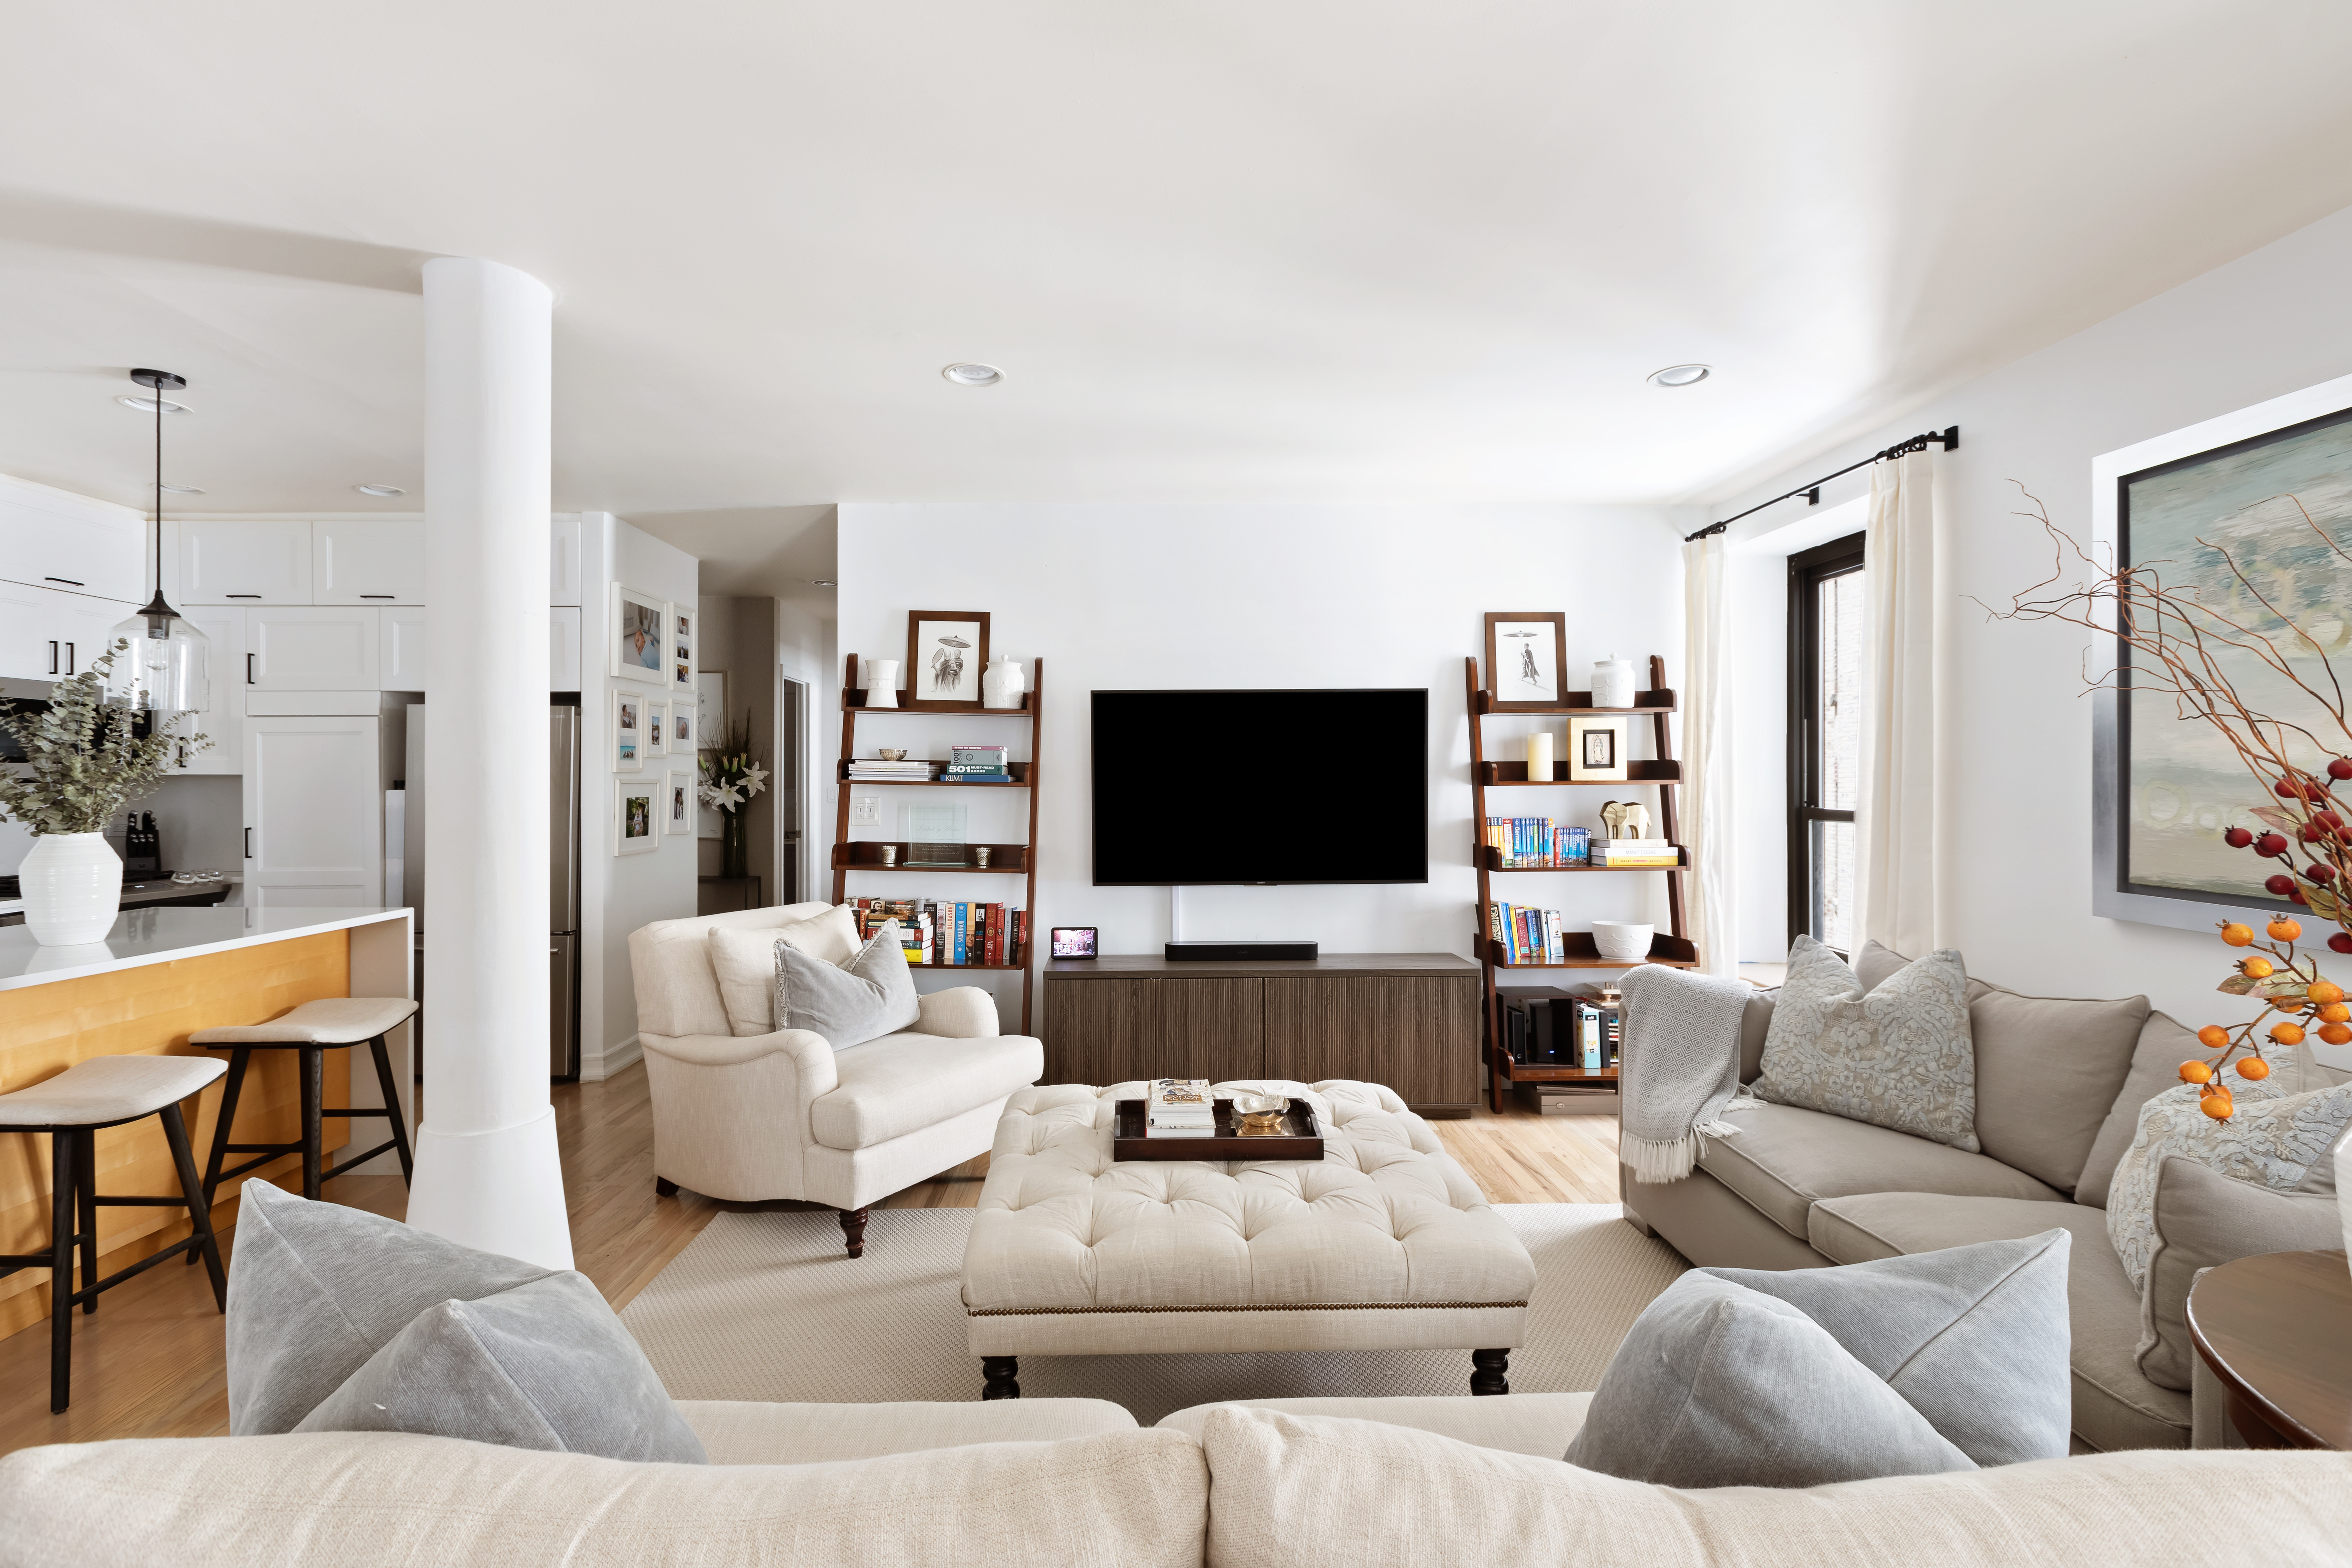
x=2288 y=989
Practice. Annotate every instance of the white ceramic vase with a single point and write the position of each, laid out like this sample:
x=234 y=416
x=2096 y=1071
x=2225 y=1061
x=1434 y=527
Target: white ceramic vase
x=882 y=683
x=1622 y=941
x=1612 y=683
x=1003 y=683
x=72 y=885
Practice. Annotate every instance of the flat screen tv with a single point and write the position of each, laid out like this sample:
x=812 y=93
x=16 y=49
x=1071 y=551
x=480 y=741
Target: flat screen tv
x=1261 y=787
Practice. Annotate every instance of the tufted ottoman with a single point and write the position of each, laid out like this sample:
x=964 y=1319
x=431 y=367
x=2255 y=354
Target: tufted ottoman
x=1383 y=1244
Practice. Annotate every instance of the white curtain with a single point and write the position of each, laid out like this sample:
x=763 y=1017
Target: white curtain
x=1894 y=821
x=1706 y=797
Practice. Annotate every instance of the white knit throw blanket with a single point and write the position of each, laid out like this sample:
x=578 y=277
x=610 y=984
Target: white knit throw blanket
x=1678 y=1069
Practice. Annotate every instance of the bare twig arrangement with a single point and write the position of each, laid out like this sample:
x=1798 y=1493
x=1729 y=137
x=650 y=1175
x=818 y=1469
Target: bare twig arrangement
x=2174 y=643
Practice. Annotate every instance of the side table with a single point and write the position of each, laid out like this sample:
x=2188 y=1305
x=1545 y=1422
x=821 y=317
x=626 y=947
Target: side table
x=2277 y=1330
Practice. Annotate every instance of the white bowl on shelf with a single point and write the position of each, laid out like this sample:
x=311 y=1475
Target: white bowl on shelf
x=1622 y=941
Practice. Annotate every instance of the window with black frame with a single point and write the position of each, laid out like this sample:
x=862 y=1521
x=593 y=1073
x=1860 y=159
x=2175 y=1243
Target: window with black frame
x=1826 y=699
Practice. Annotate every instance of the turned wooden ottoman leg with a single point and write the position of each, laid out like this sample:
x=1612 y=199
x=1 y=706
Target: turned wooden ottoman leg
x=1489 y=1367
x=852 y=1226
x=665 y=1187
x=1002 y=1373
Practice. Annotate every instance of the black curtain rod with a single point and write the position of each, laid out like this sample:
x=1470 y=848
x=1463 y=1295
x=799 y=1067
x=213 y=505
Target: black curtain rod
x=1949 y=439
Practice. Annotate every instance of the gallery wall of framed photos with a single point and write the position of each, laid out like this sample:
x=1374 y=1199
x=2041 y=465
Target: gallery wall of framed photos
x=654 y=717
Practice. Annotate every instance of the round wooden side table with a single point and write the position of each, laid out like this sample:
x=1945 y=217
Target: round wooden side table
x=2277 y=1330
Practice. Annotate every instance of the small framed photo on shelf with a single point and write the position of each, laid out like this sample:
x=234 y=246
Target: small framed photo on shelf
x=656 y=728
x=637 y=816
x=946 y=651
x=1523 y=666
x=628 y=730
x=678 y=801
x=1074 y=942
x=681 y=650
x=1596 y=751
x=639 y=635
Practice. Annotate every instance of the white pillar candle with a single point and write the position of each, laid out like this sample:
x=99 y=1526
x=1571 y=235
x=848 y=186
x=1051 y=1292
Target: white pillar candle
x=1539 y=754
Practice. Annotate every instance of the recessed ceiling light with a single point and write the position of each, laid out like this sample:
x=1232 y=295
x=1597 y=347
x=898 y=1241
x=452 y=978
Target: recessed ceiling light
x=973 y=374
x=1680 y=376
x=147 y=404
x=823 y=583
x=379 y=490
x=184 y=489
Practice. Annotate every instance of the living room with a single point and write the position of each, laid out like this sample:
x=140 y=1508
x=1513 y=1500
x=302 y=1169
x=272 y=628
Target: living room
x=1366 y=446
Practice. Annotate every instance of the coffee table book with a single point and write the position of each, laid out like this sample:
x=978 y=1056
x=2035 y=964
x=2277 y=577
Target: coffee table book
x=1301 y=1137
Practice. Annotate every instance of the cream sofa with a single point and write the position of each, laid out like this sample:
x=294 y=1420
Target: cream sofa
x=1435 y=1483
x=784 y=1115
x=2059 y=1084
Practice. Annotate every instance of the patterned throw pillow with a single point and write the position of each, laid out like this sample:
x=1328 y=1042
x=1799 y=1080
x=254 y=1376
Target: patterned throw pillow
x=1900 y=1058
x=2273 y=1141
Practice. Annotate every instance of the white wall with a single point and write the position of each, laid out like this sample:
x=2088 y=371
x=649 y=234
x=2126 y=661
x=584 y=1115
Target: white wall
x=1117 y=596
x=619 y=893
x=2015 y=862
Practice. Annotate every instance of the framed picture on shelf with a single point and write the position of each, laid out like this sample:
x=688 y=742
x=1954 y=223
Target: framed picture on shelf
x=639 y=627
x=656 y=728
x=678 y=797
x=1074 y=942
x=681 y=649
x=1596 y=750
x=628 y=730
x=636 y=815
x=946 y=651
x=1523 y=658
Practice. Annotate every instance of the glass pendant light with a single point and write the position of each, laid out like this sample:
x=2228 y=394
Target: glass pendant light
x=164 y=671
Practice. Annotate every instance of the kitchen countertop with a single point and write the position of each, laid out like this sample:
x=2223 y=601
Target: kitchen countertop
x=159 y=935
x=151 y=890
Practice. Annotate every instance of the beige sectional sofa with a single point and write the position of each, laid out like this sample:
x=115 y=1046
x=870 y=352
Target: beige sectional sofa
x=1431 y=1482
x=2060 y=1082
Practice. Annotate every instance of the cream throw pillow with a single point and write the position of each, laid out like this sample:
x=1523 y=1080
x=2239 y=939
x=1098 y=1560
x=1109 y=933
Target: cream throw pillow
x=743 y=958
x=1900 y=1058
x=2273 y=1141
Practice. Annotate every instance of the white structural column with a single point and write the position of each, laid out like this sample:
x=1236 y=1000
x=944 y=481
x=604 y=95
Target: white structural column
x=487 y=1171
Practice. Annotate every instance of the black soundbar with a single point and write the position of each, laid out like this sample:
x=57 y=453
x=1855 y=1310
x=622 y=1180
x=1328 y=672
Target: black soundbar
x=1243 y=951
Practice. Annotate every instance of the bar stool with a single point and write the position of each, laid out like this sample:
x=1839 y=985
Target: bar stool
x=106 y=1091
x=314 y=1028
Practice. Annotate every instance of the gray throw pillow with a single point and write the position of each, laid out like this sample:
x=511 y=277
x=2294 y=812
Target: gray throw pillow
x=2048 y=1070
x=544 y=1366
x=871 y=996
x=1939 y=1361
x=317 y=1292
x=1899 y=1056
x=2204 y=1218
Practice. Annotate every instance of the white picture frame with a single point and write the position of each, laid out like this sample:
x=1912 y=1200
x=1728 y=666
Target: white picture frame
x=682 y=624
x=684 y=727
x=657 y=739
x=636 y=813
x=678 y=803
x=638 y=628
x=628 y=730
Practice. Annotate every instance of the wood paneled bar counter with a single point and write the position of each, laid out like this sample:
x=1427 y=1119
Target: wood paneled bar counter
x=160 y=974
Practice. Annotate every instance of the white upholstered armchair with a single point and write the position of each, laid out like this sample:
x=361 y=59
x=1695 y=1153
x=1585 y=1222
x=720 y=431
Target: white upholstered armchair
x=784 y=1115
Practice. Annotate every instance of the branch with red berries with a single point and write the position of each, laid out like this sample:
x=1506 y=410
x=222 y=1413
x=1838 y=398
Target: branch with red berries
x=2309 y=818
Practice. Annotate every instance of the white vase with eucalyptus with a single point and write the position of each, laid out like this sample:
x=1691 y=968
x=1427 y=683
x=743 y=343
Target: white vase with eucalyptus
x=84 y=762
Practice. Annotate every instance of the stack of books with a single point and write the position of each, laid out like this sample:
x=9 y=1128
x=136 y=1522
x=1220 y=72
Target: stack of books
x=932 y=931
x=1529 y=936
x=1536 y=843
x=1635 y=852
x=1179 y=1107
x=907 y=770
x=979 y=765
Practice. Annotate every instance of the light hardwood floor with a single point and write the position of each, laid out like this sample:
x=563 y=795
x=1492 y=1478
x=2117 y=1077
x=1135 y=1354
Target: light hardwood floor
x=150 y=1363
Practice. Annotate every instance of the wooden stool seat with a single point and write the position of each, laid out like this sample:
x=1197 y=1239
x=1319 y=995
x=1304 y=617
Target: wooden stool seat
x=105 y=1090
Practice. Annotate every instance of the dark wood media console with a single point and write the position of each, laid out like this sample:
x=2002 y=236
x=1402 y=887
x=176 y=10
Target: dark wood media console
x=1409 y=1020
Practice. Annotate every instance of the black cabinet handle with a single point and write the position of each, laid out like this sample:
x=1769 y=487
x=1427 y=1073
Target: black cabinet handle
x=248 y=669
x=53 y=655
x=67 y=581
x=379 y=595
x=240 y=595
x=248 y=842
x=70 y=658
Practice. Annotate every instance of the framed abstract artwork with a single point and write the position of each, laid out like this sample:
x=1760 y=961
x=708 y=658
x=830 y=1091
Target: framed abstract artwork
x=2251 y=513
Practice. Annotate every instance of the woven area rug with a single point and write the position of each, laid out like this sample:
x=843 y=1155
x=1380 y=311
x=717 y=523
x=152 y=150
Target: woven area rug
x=768 y=1307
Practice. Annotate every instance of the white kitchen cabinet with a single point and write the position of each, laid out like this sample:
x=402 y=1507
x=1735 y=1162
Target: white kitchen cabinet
x=215 y=561
x=564 y=648
x=374 y=561
x=48 y=634
x=401 y=658
x=563 y=587
x=52 y=539
x=222 y=716
x=314 y=813
x=320 y=647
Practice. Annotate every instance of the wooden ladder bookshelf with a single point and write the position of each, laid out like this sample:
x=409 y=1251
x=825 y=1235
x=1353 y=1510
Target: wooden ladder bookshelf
x=1005 y=859
x=1676 y=950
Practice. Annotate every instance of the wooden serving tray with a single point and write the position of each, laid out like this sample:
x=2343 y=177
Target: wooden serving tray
x=1300 y=1138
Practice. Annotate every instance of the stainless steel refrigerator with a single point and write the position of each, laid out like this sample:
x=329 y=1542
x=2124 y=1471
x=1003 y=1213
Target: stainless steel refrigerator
x=564 y=867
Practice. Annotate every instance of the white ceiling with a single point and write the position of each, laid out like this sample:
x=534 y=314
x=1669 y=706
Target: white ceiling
x=1315 y=250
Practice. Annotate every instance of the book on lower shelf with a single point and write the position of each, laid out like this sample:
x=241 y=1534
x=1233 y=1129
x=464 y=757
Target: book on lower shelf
x=1635 y=852
x=941 y=933
x=1529 y=936
x=1536 y=843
